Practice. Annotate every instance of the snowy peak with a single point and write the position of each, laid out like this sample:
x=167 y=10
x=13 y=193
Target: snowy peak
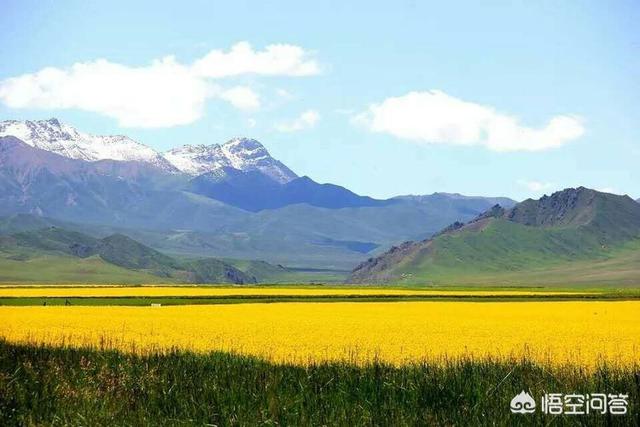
x=243 y=154
x=65 y=140
x=239 y=153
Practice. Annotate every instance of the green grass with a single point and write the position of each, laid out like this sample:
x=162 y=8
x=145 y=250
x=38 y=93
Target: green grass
x=79 y=257
x=33 y=267
x=609 y=295
x=118 y=250
x=507 y=253
x=62 y=269
x=48 y=386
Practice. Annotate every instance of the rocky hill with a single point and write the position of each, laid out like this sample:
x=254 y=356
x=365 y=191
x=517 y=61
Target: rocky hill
x=576 y=227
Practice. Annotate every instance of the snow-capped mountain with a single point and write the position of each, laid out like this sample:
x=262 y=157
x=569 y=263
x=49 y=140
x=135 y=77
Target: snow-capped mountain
x=243 y=154
x=239 y=153
x=65 y=140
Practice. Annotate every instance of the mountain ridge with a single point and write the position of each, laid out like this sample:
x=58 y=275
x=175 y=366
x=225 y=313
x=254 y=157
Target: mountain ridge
x=503 y=201
x=253 y=191
x=573 y=225
x=118 y=250
x=53 y=136
x=239 y=153
x=299 y=222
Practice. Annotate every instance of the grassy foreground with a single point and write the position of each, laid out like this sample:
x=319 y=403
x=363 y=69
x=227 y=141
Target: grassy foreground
x=49 y=386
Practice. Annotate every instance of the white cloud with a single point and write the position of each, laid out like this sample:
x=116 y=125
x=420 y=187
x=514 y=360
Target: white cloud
x=275 y=60
x=284 y=94
x=251 y=122
x=536 y=186
x=306 y=120
x=242 y=97
x=433 y=117
x=163 y=94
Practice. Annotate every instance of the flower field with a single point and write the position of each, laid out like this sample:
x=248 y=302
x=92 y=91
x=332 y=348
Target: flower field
x=199 y=291
x=558 y=333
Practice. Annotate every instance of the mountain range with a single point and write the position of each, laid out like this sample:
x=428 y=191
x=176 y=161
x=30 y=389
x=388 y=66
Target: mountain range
x=110 y=207
x=243 y=154
x=55 y=137
x=575 y=236
x=55 y=254
x=223 y=200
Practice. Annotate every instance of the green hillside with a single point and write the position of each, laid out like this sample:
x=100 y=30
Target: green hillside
x=51 y=269
x=124 y=260
x=578 y=236
x=56 y=255
x=120 y=250
x=298 y=235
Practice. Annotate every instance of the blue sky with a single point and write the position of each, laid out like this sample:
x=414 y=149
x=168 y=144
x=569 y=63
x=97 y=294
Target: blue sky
x=483 y=98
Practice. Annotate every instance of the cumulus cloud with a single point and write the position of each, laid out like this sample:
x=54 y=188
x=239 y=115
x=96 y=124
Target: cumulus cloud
x=275 y=60
x=284 y=94
x=242 y=97
x=433 y=117
x=536 y=186
x=162 y=94
x=306 y=120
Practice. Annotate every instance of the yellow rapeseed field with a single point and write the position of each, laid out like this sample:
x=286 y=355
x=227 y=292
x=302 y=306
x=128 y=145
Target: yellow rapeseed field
x=195 y=291
x=558 y=333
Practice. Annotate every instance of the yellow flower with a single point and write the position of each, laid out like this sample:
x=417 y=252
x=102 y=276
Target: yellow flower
x=202 y=291
x=572 y=332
